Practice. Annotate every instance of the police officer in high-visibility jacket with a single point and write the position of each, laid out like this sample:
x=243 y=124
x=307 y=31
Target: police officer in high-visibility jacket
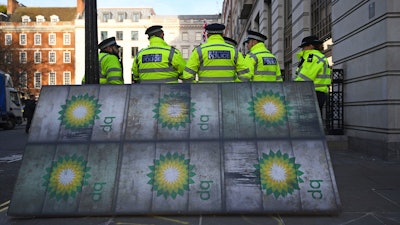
x=158 y=63
x=262 y=63
x=314 y=66
x=215 y=60
x=110 y=66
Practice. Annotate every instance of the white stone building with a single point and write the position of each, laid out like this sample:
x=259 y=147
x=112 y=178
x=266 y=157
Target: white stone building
x=128 y=26
x=361 y=37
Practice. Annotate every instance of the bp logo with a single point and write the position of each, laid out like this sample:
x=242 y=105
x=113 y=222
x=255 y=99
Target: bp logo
x=66 y=177
x=174 y=110
x=171 y=175
x=269 y=109
x=279 y=174
x=79 y=112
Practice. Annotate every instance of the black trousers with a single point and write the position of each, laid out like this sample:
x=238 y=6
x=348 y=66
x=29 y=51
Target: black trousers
x=322 y=97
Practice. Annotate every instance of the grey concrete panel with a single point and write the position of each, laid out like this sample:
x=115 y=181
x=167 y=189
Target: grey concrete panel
x=179 y=149
x=29 y=194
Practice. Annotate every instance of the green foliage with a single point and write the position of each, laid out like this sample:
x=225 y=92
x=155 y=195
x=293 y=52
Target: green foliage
x=3 y=9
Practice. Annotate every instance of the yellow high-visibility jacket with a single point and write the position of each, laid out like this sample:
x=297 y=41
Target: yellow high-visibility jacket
x=110 y=69
x=314 y=66
x=158 y=63
x=263 y=64
x=216 y=61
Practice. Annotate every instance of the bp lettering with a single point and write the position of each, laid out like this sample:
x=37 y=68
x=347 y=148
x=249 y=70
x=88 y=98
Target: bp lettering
x=107 y=124
x=205 y=187
x=315 y=191
x=204 y=122
x=97 y=191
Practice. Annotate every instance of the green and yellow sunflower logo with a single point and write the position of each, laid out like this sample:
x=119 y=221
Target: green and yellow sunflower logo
x=269 y=109
x=79 y=112
x=279 y=174
x=171 y=175
x=66 y=177
x=174 y=110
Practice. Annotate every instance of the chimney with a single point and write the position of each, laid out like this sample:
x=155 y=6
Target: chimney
x=12 y=5
x=80 y=7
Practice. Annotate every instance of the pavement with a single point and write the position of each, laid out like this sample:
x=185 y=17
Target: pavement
x=369 y=190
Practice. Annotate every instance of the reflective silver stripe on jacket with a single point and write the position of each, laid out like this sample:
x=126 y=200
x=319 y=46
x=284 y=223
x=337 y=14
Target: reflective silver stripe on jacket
x=159 y=80
x=256 y=71
x=202 y=67
x=101 y=75
x=216 y=79
x=304 y=77
x=155 y=70
x=190 y=71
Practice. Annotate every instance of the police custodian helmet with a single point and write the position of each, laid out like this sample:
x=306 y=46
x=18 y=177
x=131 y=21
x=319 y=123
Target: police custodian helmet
x=108 y=42
x=215 y=28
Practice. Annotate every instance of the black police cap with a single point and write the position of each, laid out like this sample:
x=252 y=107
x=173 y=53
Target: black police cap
x=108 y=42
x=230 y=41
x=255 y=36
x=215 y=28
x=153 y=29
x=310 y=40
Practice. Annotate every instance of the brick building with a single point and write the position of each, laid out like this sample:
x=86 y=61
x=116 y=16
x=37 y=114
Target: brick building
x=38 y=45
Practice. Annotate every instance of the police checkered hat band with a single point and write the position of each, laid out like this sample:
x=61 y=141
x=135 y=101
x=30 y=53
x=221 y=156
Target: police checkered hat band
x=256 y=36
x=215 y=28
x=153 y=29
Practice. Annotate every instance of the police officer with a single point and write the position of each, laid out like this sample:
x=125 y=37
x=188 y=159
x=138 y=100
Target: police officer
x=158 y=63
x=230 y=41
x=110 y=66
x=261 y=62
x=314 y=66
x=215 y=60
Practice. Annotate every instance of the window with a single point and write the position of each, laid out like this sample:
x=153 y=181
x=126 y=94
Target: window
x=38 y=39
x=52 y=57
x=120 y=35
x=67 y=78
x=8 y=39
x=22 y=39
x=185 y=52
x=8 y=57
x=134 y=35
x=23 y=80
x=67 y=57
x=26 y=19
x=52 y=39
x=38 y=57
x=22 y=57
x=134 y=51
x=52 y=78
x=121 y=17
x=135 y=17
x=106 y=17
x=37 y=80
x=103 y=35
x=199 y=36
x=67 y=39
x=185 y=36
x=321 y=18
x=40 y=19
x=54 y=19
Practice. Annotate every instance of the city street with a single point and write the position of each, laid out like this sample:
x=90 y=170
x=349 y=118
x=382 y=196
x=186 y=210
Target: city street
x=369 y=190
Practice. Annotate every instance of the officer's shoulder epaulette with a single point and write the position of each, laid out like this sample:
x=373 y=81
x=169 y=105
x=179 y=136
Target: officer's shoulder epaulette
x=310 y=57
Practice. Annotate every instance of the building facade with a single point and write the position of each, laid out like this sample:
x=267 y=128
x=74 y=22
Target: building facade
x=128 y=26
x=38 y=45
x=361 y=38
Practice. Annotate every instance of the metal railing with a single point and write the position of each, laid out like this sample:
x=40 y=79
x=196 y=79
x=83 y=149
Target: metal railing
x=334 y=119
